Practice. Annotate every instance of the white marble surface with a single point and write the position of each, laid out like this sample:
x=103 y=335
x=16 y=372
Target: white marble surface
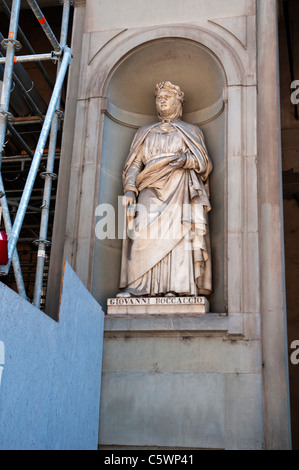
x=157 y=305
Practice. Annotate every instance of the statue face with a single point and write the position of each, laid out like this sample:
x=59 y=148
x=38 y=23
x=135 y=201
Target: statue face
x=166 y=103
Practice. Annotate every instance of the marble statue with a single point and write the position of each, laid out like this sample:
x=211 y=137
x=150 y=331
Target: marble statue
x=165 y=181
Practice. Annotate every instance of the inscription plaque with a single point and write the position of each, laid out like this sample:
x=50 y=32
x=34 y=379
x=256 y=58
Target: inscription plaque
x=157 y=305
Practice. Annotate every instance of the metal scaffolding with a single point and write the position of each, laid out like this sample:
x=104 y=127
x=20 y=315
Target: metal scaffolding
x=50 y=116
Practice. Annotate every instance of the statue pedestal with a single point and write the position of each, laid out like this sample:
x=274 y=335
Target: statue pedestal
x=157 y=305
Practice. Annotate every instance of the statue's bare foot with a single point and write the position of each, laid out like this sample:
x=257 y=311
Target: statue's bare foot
x=123 y=294
x=170 y=294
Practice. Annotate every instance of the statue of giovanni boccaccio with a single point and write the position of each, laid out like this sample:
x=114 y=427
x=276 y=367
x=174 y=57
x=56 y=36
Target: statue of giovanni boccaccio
x=165 y=181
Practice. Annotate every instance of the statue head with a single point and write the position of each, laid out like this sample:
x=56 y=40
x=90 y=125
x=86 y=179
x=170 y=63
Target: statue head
x=169 y=101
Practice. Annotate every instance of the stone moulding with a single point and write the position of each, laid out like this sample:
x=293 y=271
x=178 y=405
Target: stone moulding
x=236 y=26
x=104 y=66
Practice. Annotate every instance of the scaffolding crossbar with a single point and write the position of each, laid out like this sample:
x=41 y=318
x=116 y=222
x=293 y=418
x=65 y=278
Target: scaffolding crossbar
x=33 y=58
x=28 y=45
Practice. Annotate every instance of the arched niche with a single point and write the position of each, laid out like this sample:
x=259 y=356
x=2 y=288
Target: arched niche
x=130 y=104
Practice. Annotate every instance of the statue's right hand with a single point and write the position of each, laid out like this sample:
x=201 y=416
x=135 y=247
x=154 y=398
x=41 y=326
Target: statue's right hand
x=129 y=198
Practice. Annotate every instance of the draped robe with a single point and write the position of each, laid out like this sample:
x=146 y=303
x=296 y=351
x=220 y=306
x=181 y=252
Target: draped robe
x=170 y=249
